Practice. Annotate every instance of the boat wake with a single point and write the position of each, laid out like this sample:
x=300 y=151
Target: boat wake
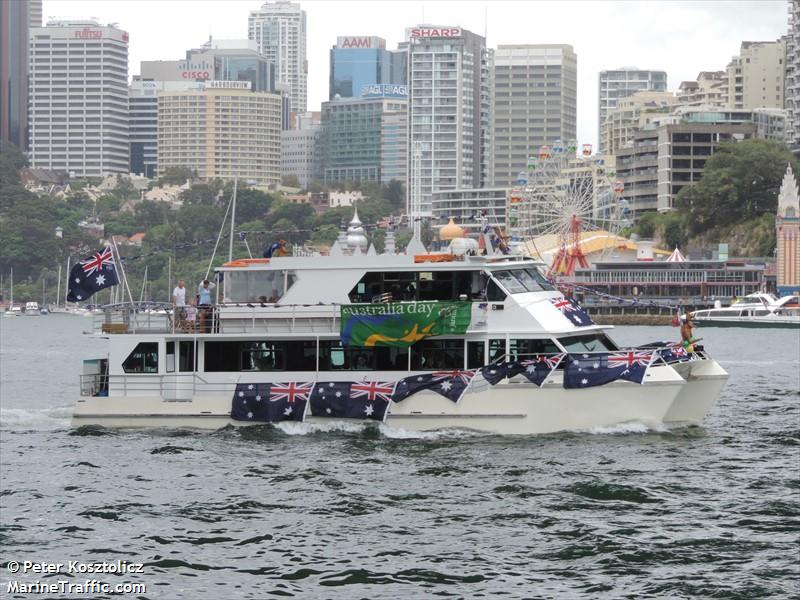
x=292 y=428
x=35 y=419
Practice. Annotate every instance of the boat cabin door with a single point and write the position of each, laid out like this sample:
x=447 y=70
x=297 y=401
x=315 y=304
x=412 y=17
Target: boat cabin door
x=179 y=383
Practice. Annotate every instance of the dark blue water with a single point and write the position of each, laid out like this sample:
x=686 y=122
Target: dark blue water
x=711 y=512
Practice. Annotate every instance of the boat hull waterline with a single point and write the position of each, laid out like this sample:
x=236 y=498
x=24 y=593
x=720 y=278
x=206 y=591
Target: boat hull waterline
x=510 y=408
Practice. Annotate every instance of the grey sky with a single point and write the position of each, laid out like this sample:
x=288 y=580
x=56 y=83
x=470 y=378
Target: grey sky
x=681 y=38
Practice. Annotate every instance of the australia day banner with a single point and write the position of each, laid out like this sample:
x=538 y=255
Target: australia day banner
x=402 y=323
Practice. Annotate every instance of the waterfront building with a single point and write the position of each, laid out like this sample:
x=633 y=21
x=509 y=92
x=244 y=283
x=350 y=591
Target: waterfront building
x=787 y=233
x=791 y=98
x=620 y=83
x=14 y=34
x=79 y=98
x=301 y=150
x=755 y=78
x=534 y=104
x=671 y=153
x=224 y=131
x=279 y=30
x=360 y=61
x=709 y=89
x=693 y=283
x=632 y=114
x=449 y=111
x=470 y=206
x=771 y=124
x=365 y=137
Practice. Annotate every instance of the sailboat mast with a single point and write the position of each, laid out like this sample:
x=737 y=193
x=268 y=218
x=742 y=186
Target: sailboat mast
x=58 y=289
x=66 y=291
x=233 y=220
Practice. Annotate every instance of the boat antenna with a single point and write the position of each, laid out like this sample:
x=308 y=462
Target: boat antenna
x=121 y=269
x=233 y=221
x=219 y=236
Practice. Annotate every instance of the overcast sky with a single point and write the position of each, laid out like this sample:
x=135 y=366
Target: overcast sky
x=681 y=38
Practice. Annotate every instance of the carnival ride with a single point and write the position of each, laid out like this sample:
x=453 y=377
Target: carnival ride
x=562 y=194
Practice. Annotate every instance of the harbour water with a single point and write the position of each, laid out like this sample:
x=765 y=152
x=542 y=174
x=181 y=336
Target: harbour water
x=375 y=512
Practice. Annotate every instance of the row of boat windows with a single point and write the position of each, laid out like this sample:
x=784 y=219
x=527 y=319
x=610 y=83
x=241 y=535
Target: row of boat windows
x=447 y=285
x=303 y=355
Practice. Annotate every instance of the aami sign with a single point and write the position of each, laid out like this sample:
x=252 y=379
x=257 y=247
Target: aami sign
x=360 y=42
x=435 y=32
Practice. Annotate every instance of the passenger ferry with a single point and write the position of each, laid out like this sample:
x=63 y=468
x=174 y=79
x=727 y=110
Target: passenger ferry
x=278 y=321
x=754 y=310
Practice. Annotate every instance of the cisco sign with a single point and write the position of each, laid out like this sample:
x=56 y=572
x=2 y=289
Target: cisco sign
x=436 y=32
x=384 y=90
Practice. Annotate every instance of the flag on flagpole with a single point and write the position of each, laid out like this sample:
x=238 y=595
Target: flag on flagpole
x=91 y=275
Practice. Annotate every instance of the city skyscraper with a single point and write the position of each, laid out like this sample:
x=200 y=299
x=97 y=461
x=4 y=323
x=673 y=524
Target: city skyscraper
x=535 y=104
x=79 y=98
x=449 y=76
x=14 y=32
x=279 y=30
x=791 y=100
x=223 y=131
x=620 y=83
x=360 y=61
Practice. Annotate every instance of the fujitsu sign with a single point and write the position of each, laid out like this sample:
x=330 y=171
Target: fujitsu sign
x=435 y=32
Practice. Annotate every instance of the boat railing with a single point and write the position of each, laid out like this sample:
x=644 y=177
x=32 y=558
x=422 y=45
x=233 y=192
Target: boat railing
x=235 y=319
x=170 y=386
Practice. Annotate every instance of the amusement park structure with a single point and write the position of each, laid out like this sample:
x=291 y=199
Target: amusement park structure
x=562 y=194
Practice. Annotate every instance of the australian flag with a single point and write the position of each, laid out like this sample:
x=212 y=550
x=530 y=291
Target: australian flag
x=270 y=402
x=352 y=400
x=588 y=370
x=92 y=275
x=572 y=311
x=536 y=369
x=675 y=354
x=450 y=384
x=495 y=373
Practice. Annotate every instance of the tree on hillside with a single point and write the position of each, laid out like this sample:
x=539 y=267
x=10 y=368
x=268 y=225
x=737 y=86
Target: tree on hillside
x=740 y=183
x=175 y=176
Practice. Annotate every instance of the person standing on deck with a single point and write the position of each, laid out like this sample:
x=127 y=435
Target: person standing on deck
x=204 y=302
x=179 y=301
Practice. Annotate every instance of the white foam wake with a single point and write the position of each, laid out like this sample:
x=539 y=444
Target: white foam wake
x=621 y=429
x=293 y=428
x=35 y=419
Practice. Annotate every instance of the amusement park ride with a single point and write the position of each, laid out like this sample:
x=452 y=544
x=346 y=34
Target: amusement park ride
x=562 y=194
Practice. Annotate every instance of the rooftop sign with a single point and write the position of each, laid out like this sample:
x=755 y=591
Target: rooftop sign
x=384 y=90
x=361 y=42
x=228 y=85
x=435 y=32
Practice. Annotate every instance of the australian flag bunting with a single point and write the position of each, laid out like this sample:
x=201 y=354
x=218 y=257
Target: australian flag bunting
x=495 y=373
x=352 y=400
x=270 y=402
x=588 y=370
x=536 y=369
x=92 y=275
x=675 y=354
x=450 y=384
x=572 y=311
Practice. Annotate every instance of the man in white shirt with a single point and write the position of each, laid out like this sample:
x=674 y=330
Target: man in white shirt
x=179 y=301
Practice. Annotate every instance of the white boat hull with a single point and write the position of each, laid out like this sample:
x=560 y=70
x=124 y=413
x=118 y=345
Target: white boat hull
x=704 y=382
x=507 y=408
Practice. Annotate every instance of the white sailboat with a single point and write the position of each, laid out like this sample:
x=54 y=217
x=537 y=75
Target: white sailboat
x=12 y=310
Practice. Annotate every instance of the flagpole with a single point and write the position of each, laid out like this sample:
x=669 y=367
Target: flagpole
x=121 y=269
x=58 y=291
x=233 y=220
x=66 y=291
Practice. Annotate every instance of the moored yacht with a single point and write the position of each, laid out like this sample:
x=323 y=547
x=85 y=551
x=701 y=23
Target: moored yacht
x=754 y=310
x=419 y=341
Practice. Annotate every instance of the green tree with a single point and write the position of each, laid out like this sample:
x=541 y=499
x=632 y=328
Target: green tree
x=175 y=176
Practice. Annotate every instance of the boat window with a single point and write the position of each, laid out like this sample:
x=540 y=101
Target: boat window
x=523 y=349
x=280 y=355
x=475 y=354
x=256 y=286
x=596 y=342
x=519 y=281
x=333 y=356
x=186 y=356
x=494 y=293
x=497 y=350
x=396 y=286
x=170 y=357
x=143 y=359
x=430 y=355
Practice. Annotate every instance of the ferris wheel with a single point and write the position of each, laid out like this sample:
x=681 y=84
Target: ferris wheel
x=562 y=194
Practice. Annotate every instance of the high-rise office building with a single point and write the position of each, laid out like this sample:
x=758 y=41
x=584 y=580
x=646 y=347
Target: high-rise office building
x=360 y=61
x=279 y=30
x=35 y=12
x=756 y=76
x=301 y=150
x=14 y=31
x=620 y=83
x=224 y=131
x=535 y=104
x=365 y=137
x=791 y=101
x=449 y=111
x=79 y=98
